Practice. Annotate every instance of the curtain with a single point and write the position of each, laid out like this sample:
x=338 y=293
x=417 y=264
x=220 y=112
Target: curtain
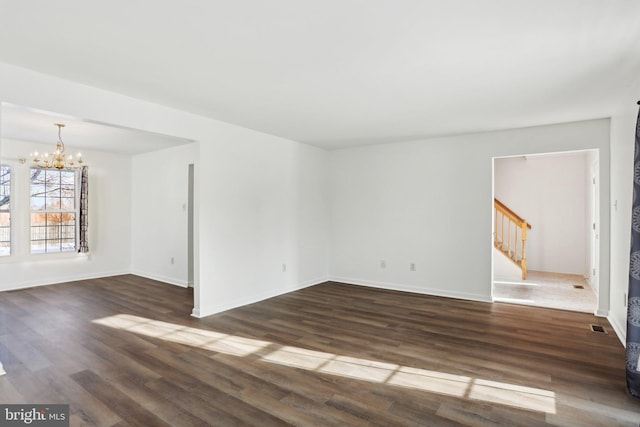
x=633 y=303
x=83 y=247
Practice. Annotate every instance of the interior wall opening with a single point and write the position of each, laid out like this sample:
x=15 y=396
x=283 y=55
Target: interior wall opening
x=546 y=230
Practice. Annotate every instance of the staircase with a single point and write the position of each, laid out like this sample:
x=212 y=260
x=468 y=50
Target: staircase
x=510 y=235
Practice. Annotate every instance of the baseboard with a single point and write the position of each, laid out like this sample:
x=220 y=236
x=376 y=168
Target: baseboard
x=161 y=278
x=65 y=279
x=619 y=330
x=208 y=311
x=405 y=288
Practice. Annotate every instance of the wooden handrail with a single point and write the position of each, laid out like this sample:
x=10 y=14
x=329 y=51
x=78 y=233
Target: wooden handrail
x=511 y=246
x=507 y=211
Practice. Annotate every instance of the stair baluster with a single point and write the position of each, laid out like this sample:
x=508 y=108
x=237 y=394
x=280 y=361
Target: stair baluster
x=513 y=220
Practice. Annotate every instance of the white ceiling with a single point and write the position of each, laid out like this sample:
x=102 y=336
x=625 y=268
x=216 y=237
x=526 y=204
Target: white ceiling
x=337 y=73
x=29 y=124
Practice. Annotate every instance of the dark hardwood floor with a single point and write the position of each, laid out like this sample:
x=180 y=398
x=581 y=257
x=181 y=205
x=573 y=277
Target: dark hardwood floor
x=124 y=351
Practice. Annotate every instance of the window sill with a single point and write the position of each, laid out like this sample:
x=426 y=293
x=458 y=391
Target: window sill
x=15 y=259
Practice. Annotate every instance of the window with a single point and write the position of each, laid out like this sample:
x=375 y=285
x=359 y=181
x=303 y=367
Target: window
x=5 y=210
x=54 y=210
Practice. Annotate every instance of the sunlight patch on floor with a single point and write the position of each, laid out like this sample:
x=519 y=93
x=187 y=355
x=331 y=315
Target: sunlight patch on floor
x=346 y=366
x=202 y=338
x=513 y=395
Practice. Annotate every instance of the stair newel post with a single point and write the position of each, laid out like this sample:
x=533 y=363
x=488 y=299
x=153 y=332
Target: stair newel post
x=524 y=250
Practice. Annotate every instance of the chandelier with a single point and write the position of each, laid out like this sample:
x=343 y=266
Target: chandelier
x=58 y=158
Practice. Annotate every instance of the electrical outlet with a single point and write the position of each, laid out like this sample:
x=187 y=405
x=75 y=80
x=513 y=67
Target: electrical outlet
x=173 y=261
x=412 y=266
x=383 y=264
x=284 y=267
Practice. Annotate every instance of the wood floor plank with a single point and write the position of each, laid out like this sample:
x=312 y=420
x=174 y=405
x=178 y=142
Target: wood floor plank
x=363 y=411
x=222 y=390
x=128 y=409
x=86 y=408
x=197 y=404
x=125 y=351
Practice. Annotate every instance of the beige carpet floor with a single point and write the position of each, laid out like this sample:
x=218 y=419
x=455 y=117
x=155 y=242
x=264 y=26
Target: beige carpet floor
x=552 y=290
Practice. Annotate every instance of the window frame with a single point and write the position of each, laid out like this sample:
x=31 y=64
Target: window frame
x=11 y=209
x=21 y=218
x=75 y=211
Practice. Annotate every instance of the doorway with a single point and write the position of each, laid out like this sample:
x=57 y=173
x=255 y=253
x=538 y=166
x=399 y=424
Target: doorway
x=557 y=194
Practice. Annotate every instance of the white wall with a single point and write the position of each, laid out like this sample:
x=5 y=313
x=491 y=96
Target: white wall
x=504 y=270
x=266 y=203
x=109 y=223
x=623 y=128
x=430 y=203
x=258 y=198
x=549 y=191
x=159 y=214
